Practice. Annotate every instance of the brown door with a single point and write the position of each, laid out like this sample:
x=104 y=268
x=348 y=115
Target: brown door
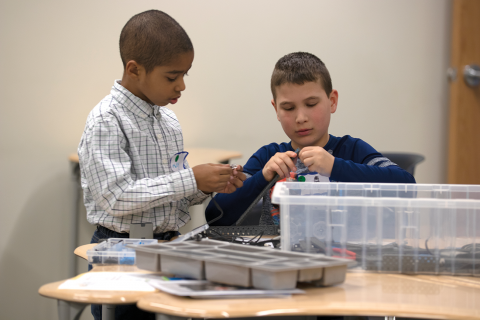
x=464 y=135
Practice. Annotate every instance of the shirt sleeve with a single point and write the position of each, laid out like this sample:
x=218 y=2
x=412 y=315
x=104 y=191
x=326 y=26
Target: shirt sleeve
x=107 y=168
x=349 y=171
x=234 y=205
x=365 y=164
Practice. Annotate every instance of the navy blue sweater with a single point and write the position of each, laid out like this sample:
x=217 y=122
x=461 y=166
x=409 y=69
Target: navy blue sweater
x=355 y=161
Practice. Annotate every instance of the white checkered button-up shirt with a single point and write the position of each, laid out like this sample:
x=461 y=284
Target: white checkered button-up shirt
x=124 y=160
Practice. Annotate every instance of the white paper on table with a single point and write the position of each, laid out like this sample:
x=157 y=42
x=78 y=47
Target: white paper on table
x=111 y=281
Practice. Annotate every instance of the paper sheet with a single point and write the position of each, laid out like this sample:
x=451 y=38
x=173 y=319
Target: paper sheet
x=111 y=281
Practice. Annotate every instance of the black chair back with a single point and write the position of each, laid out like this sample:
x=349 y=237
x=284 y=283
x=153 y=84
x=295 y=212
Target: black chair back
x=406 y=161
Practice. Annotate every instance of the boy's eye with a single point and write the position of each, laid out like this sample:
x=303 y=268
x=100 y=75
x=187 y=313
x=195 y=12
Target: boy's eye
x=171 y=80
x=311 y=104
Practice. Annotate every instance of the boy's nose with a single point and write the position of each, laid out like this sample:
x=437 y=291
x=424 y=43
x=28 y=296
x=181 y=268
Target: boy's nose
x=301 y=117
x=181 y=86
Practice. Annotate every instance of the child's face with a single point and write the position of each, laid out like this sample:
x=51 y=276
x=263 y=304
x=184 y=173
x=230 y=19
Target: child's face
x=164 y=84
x=304 y=112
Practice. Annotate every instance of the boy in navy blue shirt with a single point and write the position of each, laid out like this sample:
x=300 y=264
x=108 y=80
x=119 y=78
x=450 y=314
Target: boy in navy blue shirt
x=304 y=100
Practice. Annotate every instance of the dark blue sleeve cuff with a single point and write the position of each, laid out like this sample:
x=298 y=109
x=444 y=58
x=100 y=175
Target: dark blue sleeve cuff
x=349 y=171
x=234 y=205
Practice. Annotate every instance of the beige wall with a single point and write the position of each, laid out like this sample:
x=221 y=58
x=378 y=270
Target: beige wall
x=59 y=58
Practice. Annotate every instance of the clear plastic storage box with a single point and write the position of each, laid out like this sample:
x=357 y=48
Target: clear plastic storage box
x=115 y=251
x=392 y=228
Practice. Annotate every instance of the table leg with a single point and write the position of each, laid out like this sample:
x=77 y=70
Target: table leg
x=68 y=310
x=161 y=316
x=108 y=312
x=76 y=212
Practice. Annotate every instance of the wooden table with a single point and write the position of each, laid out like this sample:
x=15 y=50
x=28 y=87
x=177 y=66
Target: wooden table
x=82 y=250
x=72 y=302
x=367 y=294
x=362 y=294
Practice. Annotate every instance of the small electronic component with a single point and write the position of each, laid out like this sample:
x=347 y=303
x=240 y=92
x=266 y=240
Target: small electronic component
x=292 y=177
x=293 y=174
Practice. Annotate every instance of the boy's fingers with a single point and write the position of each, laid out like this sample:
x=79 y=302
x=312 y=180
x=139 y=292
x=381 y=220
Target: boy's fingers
x=221 y=188
x=276 y=169
x=282 y=168
x=303 y=153
x=289 y=163
x=241 y=176
x=291 y=154
x=236 y=182
x=229 y=188
x=307 y=162
x=222 y=169
x=237 y=167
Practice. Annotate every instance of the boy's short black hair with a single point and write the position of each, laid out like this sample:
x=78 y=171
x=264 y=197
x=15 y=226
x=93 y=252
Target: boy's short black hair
x=152 y=38
x=298 y=68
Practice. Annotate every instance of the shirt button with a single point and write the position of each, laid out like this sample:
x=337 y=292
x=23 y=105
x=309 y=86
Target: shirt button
x=159 y=136
x=165 y=161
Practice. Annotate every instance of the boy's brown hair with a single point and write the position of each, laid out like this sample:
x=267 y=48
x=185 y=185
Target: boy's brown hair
x=298 y=68
x=153 y=38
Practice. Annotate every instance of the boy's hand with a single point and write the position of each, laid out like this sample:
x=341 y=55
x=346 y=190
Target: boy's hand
x=280 y=163
x=236 y=180
x=218 y=178
x=317 y=159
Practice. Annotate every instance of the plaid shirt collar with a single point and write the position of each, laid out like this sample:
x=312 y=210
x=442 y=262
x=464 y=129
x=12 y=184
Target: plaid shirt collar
x=132 y=102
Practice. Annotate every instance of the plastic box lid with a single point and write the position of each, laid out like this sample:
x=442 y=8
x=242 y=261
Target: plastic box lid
x=115 y=251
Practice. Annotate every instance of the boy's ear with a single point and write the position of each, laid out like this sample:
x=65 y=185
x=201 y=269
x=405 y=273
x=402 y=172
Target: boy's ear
x=133 y=69
x=333 y=100
x=275 y=107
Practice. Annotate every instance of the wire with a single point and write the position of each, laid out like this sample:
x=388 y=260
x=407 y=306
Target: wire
x=219 y=208
x=472 y=247
x=259 y=235
x=267 y=187
x=426 y=246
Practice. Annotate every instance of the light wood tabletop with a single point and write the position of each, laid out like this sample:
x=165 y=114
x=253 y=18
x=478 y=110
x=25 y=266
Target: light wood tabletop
x=196 y=156
x=51 y=290
x=82 y=250
x=367 y=294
